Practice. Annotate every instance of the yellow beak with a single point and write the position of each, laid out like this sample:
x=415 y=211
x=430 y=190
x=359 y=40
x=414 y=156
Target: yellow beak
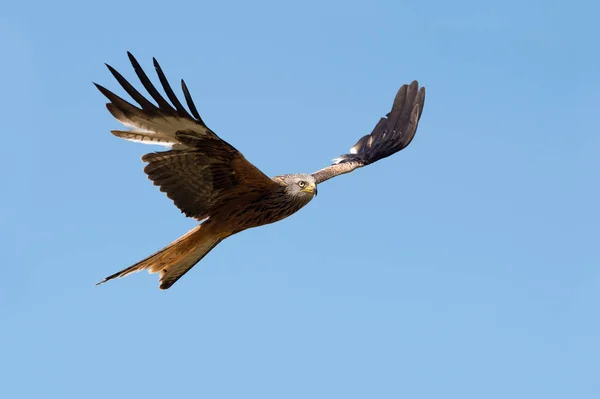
x=312 y=189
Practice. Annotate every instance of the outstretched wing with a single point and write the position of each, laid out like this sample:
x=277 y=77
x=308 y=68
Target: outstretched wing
x=390 y=135
x=201 y=170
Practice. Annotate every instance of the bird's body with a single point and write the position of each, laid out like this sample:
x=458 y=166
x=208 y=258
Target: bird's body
x=267 y=207
x=211 y=181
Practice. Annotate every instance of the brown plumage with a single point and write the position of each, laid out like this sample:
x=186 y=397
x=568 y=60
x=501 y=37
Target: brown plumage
x=210 y=181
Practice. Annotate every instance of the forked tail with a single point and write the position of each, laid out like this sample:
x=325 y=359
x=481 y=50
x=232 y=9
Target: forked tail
x=174 y=260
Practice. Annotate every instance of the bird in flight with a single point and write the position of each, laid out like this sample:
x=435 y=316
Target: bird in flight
x=210 y=181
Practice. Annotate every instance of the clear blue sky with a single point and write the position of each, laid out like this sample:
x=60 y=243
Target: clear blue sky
x=466 y=266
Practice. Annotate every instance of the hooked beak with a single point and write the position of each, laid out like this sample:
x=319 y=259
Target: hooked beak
x=312 y=189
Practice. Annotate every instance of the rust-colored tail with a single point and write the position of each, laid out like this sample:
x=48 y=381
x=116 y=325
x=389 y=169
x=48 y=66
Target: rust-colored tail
x=174 y=260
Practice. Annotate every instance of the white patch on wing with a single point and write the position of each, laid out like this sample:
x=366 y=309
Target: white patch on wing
x=163 y=126
x=159 y=130
x=145 y=137
x=354 y=149
x=167 y=125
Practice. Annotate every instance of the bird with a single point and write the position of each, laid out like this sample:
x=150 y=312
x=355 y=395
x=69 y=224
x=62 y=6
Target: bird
x=212 y=182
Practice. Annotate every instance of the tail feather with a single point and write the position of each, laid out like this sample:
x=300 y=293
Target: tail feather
x=176 y=259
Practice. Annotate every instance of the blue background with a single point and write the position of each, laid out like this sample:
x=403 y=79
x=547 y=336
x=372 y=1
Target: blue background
x=465 y=266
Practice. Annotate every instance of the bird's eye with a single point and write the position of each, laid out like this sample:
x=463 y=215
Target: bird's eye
x=302 y=184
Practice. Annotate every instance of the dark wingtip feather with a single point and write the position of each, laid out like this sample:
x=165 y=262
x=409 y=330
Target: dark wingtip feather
x=107 y=93
x=421 y=97
x=167 y=88
x=156 y=64
x=136 y=95
x=190 y=102
x=123 y=106
x=139 y=71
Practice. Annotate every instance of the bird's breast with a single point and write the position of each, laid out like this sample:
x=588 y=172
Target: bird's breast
x=266 y=210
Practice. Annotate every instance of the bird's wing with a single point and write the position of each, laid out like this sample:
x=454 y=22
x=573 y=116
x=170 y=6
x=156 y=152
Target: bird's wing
x=201 y=170
x=390 y=135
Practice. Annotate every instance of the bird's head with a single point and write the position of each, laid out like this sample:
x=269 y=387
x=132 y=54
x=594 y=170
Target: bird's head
x=300 y=185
